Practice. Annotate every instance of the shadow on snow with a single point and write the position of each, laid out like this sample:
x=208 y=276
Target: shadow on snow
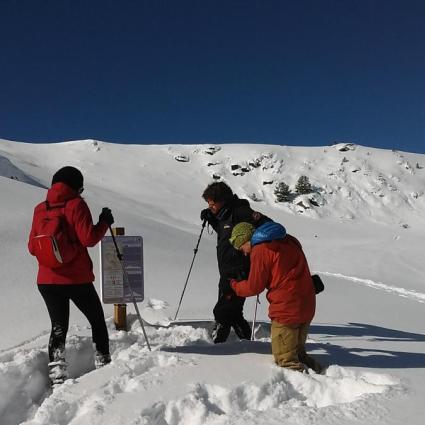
x=368 y=357
x=330 y=352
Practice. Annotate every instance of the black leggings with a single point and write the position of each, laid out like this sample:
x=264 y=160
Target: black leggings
x=85 y=297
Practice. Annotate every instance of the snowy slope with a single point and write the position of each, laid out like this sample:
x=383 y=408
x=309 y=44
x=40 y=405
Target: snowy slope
x=365 y=237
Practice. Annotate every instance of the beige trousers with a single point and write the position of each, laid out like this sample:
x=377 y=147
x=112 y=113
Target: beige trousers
x=288 y=347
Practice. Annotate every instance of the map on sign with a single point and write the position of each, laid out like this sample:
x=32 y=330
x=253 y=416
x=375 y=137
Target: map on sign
x=116 y=285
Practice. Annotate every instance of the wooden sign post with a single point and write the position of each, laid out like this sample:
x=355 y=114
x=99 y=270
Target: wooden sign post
x=120 y=310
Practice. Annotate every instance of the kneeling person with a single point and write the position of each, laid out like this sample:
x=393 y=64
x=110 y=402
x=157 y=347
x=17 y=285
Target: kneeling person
x=278 y=264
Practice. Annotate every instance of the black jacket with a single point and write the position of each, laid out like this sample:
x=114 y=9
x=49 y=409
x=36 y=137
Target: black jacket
x=231 y=262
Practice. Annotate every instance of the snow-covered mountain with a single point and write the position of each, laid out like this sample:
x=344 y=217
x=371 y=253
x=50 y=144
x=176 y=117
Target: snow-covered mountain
x=349 y=181
x=362 y=227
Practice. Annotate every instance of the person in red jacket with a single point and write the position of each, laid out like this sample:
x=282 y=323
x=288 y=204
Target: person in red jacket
x=278 y=264
x=72 y=280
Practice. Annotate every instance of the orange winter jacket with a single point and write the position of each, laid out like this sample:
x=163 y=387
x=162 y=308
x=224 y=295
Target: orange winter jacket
x=81 y=230
x=280 y=267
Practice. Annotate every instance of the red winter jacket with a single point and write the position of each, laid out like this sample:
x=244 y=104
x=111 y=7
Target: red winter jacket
x=281 y=267
x=81 y=230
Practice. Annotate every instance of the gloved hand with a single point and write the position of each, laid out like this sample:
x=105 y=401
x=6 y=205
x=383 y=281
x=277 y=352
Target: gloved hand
x=233 y=283
x=206 y=214
x=240 y=274
x=106 y=216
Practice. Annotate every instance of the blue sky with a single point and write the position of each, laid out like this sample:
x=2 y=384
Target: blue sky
x=280 y=72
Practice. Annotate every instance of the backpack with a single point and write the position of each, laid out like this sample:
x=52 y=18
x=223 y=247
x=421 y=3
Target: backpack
x=52 y=245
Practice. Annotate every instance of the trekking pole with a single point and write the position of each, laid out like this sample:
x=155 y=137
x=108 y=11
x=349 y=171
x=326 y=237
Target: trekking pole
x=257 y=301
x=195 y=251
x=120 y=258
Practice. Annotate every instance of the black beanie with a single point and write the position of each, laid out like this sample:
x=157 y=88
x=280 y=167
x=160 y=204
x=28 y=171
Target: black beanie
x=71 y=176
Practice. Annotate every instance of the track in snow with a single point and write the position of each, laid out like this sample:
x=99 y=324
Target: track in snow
x=402 y=292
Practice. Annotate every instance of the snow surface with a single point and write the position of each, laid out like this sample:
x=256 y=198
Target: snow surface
x=364 y=236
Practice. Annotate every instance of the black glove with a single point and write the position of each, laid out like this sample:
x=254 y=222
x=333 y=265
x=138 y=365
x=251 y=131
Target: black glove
x=106 y=216
x=241 y=275
x=317 y=283
x=206 y=214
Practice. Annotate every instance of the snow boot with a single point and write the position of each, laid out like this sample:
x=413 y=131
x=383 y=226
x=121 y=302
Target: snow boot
x=101 y=360
x=242 y=329
x=220 y=333
x=57 y=372
x=57 y=367
x=310 y=362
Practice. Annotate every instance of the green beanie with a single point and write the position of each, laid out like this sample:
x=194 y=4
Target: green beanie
x=241 y=234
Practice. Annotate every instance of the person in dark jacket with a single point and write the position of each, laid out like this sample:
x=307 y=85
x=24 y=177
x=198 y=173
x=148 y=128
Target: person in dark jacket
x=72 y=280
x=224 y=210
x=278 y=265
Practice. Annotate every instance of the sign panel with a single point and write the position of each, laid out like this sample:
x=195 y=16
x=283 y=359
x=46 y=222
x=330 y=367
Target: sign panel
x=115 y=286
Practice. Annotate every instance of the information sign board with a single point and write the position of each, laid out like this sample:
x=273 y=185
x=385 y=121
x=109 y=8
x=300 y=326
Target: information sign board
x=115 y=285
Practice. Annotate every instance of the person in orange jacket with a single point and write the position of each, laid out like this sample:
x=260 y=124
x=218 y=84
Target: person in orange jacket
x=72 y=281
x=278 y=264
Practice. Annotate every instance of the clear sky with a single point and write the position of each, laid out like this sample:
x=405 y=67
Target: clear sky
x=210 y=71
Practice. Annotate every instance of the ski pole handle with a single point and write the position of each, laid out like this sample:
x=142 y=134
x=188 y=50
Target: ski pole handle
x=119 y=255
